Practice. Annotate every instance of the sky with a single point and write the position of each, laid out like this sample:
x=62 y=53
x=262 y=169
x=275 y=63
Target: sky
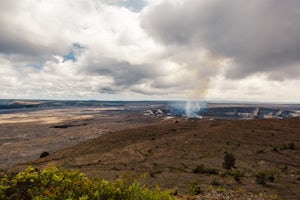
x=223 y=50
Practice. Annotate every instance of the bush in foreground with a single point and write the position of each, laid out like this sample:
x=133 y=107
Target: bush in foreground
x=52 y=183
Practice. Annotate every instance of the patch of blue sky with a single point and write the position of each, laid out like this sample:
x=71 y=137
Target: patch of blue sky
x=76 y=47
x=134 y=5
x=70 y=56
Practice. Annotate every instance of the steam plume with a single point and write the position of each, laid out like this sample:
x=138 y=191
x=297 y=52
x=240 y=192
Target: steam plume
x=192 y=109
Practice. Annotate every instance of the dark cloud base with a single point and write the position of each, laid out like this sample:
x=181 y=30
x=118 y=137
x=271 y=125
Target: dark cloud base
x=259 y=36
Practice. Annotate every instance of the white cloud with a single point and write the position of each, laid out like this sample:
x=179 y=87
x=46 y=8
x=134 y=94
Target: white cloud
x=89 y=49
x=254 y=88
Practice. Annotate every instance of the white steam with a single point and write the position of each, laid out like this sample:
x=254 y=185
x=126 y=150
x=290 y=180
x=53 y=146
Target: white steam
x=192 y=109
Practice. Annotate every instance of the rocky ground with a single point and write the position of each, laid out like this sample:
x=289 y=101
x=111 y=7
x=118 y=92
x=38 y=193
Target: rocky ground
x=187 y=155
x=24 y=136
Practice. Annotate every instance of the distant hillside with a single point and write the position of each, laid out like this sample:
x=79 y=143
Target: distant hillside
x=15 y=104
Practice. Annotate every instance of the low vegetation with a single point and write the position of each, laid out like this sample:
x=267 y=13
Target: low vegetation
x=52 y=183
x=195 y=188
x=238 y=175
x=262 y=177
x=229 y=161
x=201 y=169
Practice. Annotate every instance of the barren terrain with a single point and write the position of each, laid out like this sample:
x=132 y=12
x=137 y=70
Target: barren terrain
x=175 y=152
x=24 y=136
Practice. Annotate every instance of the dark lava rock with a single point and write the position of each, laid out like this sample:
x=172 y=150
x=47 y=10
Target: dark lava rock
x=44 y=154
x=68 y=125
x=62 y=126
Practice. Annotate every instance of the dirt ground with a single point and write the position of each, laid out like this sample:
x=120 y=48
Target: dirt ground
x=24 y=136
x=175 y=152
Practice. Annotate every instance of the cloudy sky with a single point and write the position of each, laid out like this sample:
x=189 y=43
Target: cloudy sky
x=150 y=49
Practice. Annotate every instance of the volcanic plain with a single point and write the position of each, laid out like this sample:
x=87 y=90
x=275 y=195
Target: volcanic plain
x=172 y=152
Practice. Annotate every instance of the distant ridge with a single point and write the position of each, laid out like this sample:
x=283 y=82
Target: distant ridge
x=22 y=102
x=15 y=104
x=165 y=108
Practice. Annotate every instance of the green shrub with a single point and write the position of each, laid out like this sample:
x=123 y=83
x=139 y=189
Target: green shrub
x=194 y=188
x=201 y=169
x=179 y=168
x=215 y=183
x=52 y=183
x=290 y=146
x=259 y=151
x=237 y=176
x=263 y=176
x=153 y=173
x=229 y=161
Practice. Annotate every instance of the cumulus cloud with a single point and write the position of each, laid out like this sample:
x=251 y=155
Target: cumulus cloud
x=69 y=49
x=151 y=49
x=259 y=36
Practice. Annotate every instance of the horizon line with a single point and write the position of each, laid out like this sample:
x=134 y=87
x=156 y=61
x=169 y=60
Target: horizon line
x=162 y=100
